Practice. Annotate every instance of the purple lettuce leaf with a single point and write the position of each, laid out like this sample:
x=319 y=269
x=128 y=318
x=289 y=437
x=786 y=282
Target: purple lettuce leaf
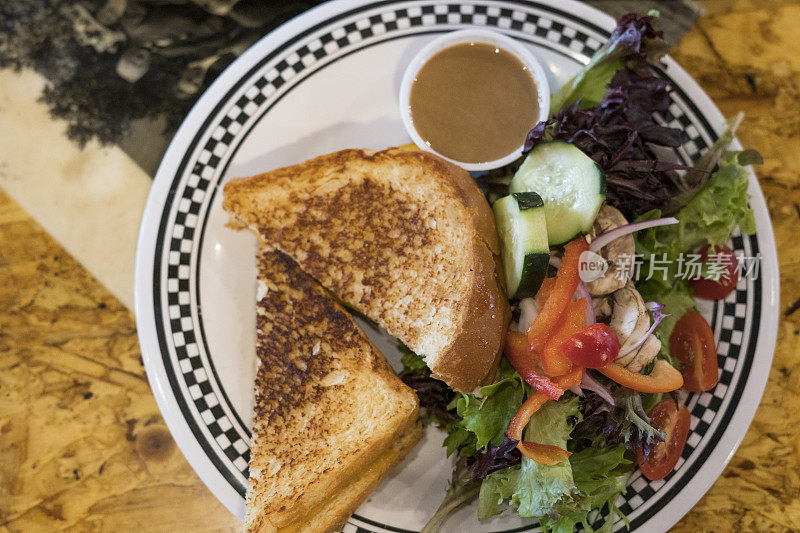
x=434 y=397
x=625 y=422
x=620 y=135
x=634 y=43
x=494 y=458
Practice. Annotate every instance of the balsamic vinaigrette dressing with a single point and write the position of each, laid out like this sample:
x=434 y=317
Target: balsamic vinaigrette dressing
x=474 y=102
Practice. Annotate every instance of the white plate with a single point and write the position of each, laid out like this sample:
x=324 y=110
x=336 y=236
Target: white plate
x=328 y=80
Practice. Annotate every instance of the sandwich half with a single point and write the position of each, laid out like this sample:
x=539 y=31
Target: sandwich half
x=331 y=416
x=403 y=237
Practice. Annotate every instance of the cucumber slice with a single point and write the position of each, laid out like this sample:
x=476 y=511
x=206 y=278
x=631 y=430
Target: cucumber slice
x=520 y=220
x=570 y=183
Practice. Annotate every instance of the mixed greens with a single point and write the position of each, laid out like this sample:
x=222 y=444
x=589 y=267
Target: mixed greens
x=602 y=423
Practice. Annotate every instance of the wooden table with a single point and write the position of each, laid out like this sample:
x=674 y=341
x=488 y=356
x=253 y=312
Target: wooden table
x=82 y=444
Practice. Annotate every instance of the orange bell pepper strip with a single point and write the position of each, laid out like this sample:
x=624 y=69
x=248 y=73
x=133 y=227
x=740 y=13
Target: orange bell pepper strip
x=534 y=402
x=545 y=290
x=544 y=385
x=545 y=323
x=518 y=347
x=541 y=453
x=573 y=377
x=554 y=361
x=663 y=378
x=545 y=454
x=526 y=363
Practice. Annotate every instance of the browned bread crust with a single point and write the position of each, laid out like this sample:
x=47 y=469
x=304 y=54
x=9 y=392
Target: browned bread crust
x=329 y=408
x=405 y=238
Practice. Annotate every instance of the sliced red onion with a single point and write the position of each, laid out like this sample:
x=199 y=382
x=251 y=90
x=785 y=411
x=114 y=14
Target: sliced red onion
x=528 y=309
x=555 y=261
x=589 y=383
x=603 y=239
x=658 y=316
x=576 y=389
x=582 y=292
x=655 y=307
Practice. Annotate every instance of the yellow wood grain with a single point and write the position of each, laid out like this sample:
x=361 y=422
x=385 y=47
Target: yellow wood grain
x=83 y=447
x=746 y=55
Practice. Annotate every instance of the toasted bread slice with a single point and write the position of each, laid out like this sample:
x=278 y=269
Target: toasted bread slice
x=333 y=513
x=405 y=238
x=331 y=416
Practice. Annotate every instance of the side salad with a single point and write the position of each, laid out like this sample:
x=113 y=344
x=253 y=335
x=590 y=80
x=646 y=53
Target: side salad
x=586 y=391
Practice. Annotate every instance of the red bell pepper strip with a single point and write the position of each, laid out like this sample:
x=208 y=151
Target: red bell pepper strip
x=546 y=322
x=545 y=454
x=526 y=363
x=663 y=378
x=543 y=384
x=554 y=359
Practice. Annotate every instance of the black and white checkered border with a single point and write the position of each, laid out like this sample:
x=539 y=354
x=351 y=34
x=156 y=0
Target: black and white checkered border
x=704 y=407
x=227 y=131
x=353 y=528
x=185 y=343
x=525 y=21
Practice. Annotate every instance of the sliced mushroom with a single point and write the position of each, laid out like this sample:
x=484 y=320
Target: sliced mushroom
x=627 y=315
x=646 y=353
x=647 y=346
x=602 y=307
x=619 y=253
x=629 y=318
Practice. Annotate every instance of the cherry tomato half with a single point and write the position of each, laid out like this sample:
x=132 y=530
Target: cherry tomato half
x=594 y=346
x=692 y=343
x=727 y=262
x=674 y=422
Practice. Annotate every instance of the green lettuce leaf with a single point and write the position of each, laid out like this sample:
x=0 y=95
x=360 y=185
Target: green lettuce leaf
x=709 y=218
x=589 y=85
x=636 y=415
x=649 y=400
x=540 y=487
x=561 y=496
x=532 y=488
x=601 y=475
x=497 y=488
x=695 y=178
x=459 y=439
x=484 y=418
x=593 y=466
x=413 y=364
x=553 y=422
